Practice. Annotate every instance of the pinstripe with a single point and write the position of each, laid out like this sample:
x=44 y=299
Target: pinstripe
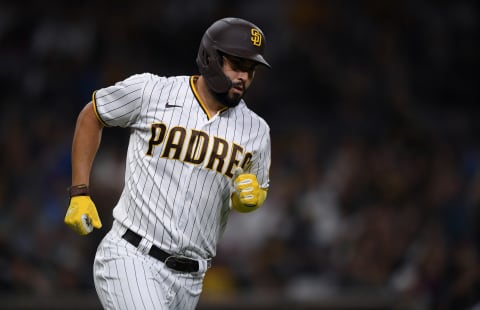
x=158 y=203
x=117 y=274
x=115 y=291
x=188 y=188
x=128 y=273
x=146 y=289
x=156 y=103
x=98 y=276
x=156 y=166
x=125 y=285
x=212 y=228
x=124 y=102
x=108 y=283
x=121 y=270
x=136 y=164
x=118 y=89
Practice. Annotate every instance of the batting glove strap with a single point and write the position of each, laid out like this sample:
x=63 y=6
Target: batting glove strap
x=78 y=190
x=82 y=215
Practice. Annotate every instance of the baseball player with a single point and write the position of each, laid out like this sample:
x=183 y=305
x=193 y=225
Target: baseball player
x=195 y=152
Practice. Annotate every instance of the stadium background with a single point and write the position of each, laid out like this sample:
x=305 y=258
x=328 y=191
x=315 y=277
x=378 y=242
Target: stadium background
x=373 y=108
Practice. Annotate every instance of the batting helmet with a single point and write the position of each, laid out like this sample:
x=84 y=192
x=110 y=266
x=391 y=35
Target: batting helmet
x=231 y=36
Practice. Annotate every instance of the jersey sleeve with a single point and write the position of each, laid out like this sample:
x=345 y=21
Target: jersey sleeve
x=120 y=104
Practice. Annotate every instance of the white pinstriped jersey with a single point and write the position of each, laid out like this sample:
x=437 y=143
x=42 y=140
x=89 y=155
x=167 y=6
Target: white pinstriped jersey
x=180 y=161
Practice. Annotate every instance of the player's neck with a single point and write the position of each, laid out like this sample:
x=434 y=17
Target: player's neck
x=210 y=102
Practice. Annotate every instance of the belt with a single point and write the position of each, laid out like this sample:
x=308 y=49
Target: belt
x=174 y=262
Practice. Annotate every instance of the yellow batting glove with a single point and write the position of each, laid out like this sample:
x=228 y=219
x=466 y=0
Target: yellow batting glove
x=247 y=196
x=82 y=215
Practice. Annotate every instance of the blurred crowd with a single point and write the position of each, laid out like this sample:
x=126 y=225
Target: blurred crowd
x=373 y=107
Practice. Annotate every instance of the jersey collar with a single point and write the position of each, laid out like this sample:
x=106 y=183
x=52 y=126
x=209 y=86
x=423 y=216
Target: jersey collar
x=193 y=79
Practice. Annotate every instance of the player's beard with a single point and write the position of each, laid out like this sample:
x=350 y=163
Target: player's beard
x=230 y=100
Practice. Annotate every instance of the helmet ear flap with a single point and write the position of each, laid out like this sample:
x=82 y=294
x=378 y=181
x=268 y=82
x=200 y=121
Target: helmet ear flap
x=209 y=63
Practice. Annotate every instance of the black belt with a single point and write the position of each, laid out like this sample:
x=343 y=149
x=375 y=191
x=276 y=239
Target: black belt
x=174 y=262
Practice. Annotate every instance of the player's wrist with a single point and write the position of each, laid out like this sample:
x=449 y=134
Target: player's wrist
x=78 y=190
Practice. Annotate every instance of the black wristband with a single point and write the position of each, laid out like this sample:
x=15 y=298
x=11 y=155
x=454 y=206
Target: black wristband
x=78 y=190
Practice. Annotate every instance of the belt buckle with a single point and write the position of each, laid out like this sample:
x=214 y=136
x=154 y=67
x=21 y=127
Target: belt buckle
x=175 y=262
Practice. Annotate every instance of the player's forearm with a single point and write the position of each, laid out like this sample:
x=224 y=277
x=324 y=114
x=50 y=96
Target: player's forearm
x=86 y=141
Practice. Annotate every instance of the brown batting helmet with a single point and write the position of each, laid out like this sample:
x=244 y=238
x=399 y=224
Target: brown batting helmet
x=231 y=36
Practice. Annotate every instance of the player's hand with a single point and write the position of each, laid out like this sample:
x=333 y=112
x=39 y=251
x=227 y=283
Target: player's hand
x=247 y=189
x=82 y=215
x=248 y=195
